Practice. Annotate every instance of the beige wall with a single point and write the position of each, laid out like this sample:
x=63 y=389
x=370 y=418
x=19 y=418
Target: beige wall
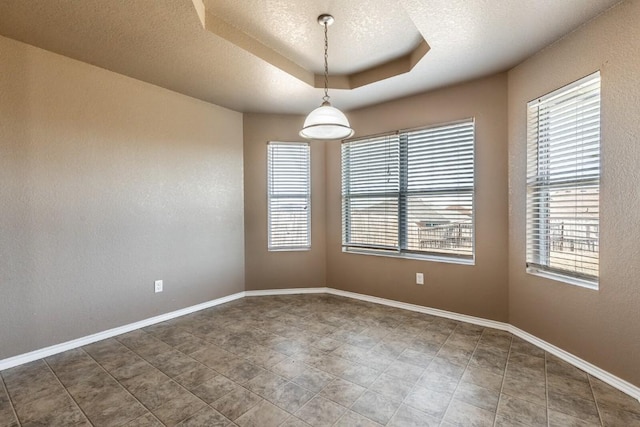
x=106 y=184
x=602 y=327
x=290 y=269
x=477 y=290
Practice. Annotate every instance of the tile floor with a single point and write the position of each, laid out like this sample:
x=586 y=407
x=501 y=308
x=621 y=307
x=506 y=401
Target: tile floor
x=314 y=360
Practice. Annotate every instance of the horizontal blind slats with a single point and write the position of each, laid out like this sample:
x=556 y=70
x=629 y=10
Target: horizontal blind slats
x=435 y=200
x=563 y=172
x=288 y=188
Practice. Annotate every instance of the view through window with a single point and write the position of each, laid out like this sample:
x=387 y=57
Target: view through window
x=410 y=192
x=289 y=195
x=563 y=182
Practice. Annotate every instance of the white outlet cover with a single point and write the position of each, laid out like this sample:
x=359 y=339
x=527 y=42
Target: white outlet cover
x=419 y=279
x=158 y=286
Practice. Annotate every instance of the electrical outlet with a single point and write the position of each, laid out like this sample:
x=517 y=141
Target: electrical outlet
x=158 y=286
x=419 y=279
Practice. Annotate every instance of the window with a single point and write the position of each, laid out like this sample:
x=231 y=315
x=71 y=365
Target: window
x=410 y=193
x=563 y=183
x=289 y=199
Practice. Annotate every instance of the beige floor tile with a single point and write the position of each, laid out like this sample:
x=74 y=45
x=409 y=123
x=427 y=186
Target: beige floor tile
x=236 y=403
x=464 y=415
x=320 y=412
x=264 y=414
x=406 y=416
x=326 y=359
x=511 y=409
x=353 y=419
x=376 y=407
x=477 y=396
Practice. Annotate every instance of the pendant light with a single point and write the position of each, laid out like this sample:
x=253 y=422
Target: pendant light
x=326 y=122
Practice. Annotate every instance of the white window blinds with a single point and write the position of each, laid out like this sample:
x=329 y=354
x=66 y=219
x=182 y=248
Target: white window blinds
x=563 y=182
x=289 y=198
x=410 y=192
x=370 y=190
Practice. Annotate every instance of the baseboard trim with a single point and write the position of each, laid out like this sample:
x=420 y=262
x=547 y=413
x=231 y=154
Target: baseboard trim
x=79 y=342
x=612 y=380
x=290 y=291
x=591 y=369
x=422 y=309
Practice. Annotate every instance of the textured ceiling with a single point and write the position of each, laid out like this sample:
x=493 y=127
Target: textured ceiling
x=164 y=43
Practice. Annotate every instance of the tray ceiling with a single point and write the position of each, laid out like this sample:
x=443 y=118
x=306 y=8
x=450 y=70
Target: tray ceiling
x=164 y=43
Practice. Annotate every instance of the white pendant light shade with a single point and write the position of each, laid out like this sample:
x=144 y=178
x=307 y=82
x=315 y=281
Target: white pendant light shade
x=326 y=123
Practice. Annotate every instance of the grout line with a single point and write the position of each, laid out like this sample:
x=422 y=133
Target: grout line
x=504 y=377
x=6 y=390
x=413 y=386
x=235 y=354
x=67 y=391
x=444 y=415
x=172 y=378
x=595 y=400
x=546 y=388
x=122 y=385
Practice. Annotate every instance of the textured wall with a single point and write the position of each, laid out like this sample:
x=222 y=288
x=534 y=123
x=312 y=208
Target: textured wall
x=478 y=290
x=107 y=183
x=601 y=326
x=290 y=269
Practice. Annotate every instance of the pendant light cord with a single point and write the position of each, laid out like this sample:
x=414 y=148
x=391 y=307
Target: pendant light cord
x=325 y=98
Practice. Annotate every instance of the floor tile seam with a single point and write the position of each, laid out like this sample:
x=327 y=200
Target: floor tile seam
x=546 y=388
x=415 y=386
x=368 y=389
x=495 y=415
x=169 y=376
x=595 y=400
x=67 y=391
x=546 y=376
x=504 y=377
x=123 y=386
x=227 y=394
x=160 y=370
x=322 y=397
x=11 y=404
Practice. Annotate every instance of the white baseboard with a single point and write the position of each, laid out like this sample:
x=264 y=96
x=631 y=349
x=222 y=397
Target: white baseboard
x=69 y=345
x=612 y=380
x=591 y=369
x=422 y=309
x=290 y=291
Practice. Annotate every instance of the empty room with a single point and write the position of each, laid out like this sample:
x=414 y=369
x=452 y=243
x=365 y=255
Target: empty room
x=319 y=213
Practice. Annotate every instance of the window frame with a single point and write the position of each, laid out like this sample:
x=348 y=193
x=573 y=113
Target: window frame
x=538 y=246
x=271 y=247
x=401 y=250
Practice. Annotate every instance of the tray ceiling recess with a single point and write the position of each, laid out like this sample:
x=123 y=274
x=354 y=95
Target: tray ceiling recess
x=234 y=32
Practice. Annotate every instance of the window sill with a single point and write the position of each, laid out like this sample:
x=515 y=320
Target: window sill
x=404 y=255
x=288 y=249
x=588 y=284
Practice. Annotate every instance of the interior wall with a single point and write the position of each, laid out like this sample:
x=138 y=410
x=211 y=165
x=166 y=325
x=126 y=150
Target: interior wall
x=603 y=326
x=280 y=269
x=477 y=290
x=107 y=184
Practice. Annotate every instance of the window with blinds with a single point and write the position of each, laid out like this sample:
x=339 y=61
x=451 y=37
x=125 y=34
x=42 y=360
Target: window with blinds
x=410 y=192
x=289 y=196
x=563 y=183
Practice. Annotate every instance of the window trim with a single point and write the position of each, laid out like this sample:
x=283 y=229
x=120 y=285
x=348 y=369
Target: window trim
x=408 y=253
x=541 y=270
x=301 y=248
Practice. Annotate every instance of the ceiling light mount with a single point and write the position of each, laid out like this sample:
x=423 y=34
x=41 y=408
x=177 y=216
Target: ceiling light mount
x=326 y=19
x=326 y=122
